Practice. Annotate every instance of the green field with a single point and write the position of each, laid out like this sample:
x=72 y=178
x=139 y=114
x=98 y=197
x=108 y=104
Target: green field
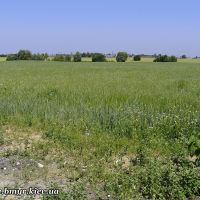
x=2 y=59
x=107 y=130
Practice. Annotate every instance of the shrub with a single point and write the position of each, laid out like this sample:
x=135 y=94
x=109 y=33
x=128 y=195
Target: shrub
x=173 y=59
x=24 y=55
x=39 y=56
x=165 y=58
x=59 y=57
x=12 y=57
x=36 y=57
x=27 y=55
x=194 y=145
x=68 y=58
x=77 y=57
x=98 y=57
x=137 y=58
x=122 y=57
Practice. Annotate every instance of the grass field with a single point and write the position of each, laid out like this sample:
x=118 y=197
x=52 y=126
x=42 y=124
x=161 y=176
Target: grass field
x=2 y=59
x=101 y=130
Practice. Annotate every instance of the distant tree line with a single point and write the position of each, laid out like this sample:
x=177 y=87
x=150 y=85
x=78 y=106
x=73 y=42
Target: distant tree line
x=3 y=55
x=77 y=57
x=62 y=58
x=123 y=57
x=86 y=55
x=95 y=57
x=26 y=55
x=165 y=58
x=68 y=58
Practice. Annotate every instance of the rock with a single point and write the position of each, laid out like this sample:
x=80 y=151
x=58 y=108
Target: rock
x=40 y=165
x=17 y=163
x=117 y=161
x=126 y=162
x=192 y=159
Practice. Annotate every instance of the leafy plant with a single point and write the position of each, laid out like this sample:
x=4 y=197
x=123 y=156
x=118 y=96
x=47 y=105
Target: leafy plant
x=194 y=145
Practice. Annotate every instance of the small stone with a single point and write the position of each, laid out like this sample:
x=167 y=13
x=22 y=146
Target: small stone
x=192 y=159
x=117 y=161
x=40 y=165
x=87 y=133
x=17 y=163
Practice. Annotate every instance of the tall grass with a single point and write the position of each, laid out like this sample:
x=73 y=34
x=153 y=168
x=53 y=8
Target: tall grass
x=105 y=109
x=118 y=99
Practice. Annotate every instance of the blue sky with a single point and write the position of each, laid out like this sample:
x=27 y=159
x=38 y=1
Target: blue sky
x=136 y=26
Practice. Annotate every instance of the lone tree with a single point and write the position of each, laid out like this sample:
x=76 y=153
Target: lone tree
x=24 y=55
x=98 y=57
x=77 y=57
x=137 y=58
x=122 y=57
x=183 y=56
